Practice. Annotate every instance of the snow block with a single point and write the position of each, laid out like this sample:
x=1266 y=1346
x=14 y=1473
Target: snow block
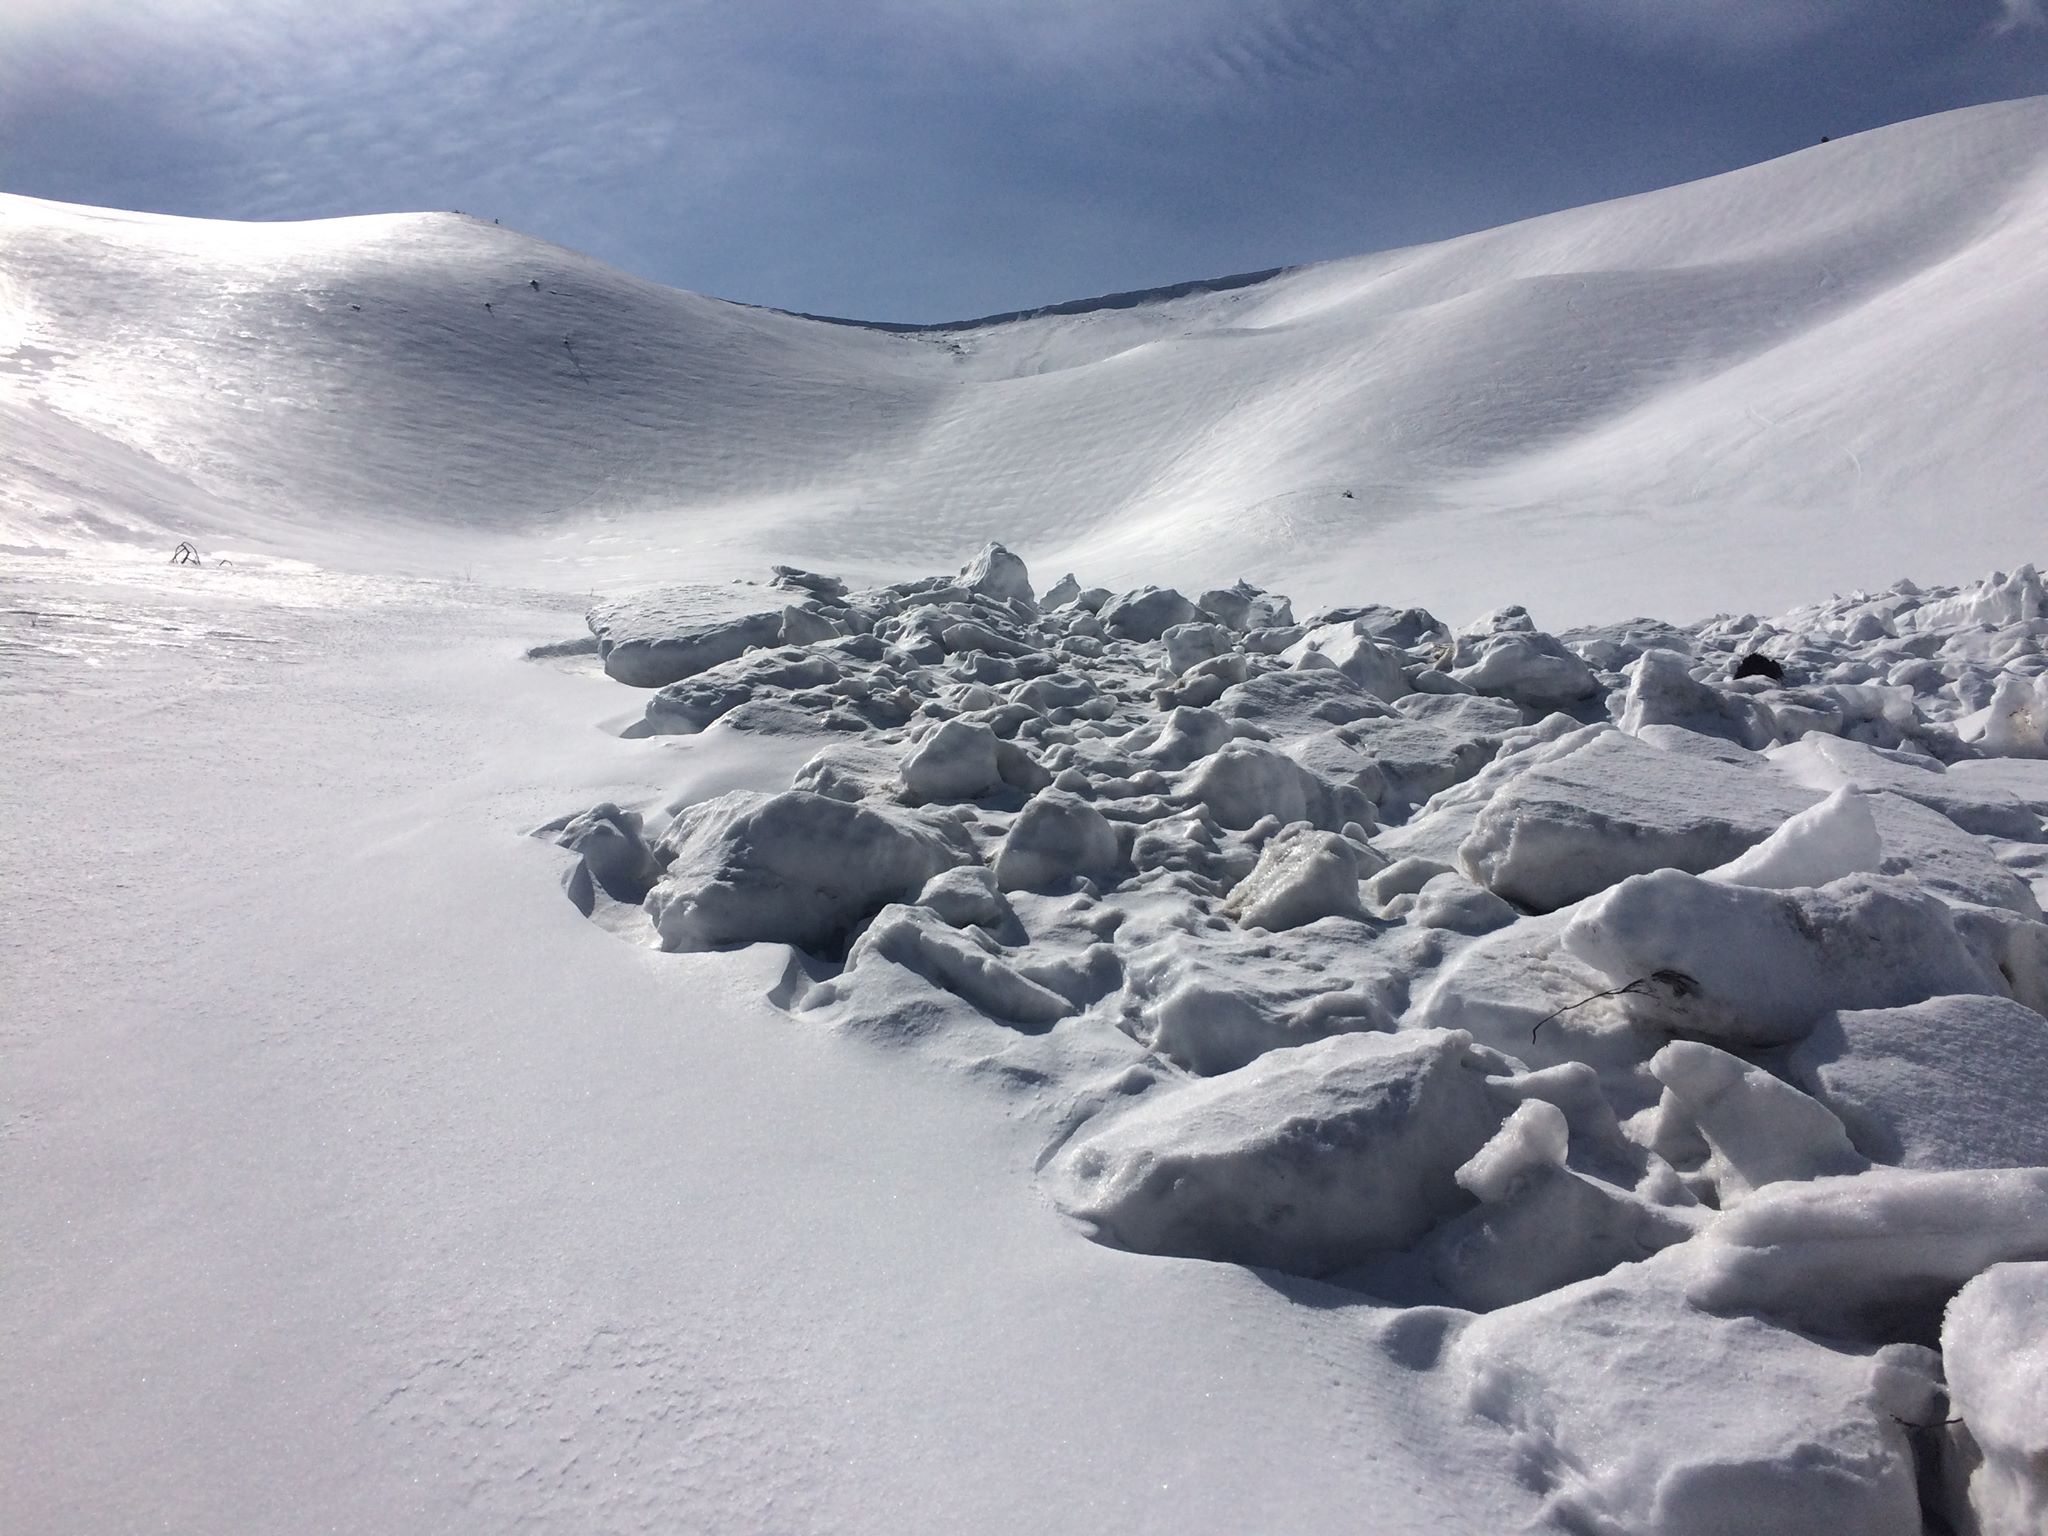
x=997 y=573
x=1994 y=1346
x=1056 y=837
x=1760 y=1130
x=1613 y=807
x=1311 y=1159
x=1762 y=967
x=958 y=761
x=1953 y=1082
x=1243 y=783
x=1302 y=875
x=790 y=868
x=1635 y=1413
x=1147 y=613
x=654 y=661
x=1875 y=1256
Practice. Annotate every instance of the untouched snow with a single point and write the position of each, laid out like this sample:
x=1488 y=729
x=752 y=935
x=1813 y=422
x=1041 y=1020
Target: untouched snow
x=465 y=1073
x=1745 y=392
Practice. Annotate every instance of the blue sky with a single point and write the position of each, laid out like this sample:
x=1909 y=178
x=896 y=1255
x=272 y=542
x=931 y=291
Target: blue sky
x=934 y=159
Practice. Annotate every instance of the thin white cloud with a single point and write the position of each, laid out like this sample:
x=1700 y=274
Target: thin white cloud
x=2016 y=15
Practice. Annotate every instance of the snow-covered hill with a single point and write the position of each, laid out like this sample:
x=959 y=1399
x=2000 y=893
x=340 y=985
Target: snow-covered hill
x=1520 y=1076
x=1812 y=373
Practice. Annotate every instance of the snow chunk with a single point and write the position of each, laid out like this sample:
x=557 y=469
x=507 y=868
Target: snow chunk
x=1288 y=705
x=966 y=964
x=790 y=868
x=1760 y=1130
x=1613 y=807
x=1638 y=1414
x=1302 y=875
x=1531 y=668
x=1243 y=783
x=1351 y=649
x=1823 y=842
x=1532 y=1139
x=1056 y=837
x=2015 y=722
x=1876 y=1255
x=1994 y=1344
x=1954 y=1082
x=1663 y=691
x=1828 y=762
x=958 y=761
x=1310 y=1160
x=1763 y=966
x=613 y=852
x=1146 y=613
x=654 y=660
x=997 y=573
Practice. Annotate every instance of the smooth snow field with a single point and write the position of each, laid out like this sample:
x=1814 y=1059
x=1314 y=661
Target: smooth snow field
x=599 y=957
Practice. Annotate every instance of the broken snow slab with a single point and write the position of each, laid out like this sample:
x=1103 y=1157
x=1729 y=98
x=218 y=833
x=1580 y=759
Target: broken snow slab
x=1310 y=1160
x=1952 y=1082
x=1630 y=1411
x=1994 y=1344
x=1613 y=807
x=661 y=635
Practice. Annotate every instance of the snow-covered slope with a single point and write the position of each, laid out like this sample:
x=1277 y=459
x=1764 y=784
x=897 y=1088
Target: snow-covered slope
x=1810 y=373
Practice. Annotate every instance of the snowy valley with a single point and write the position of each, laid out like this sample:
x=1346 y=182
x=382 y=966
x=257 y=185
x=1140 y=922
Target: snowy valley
x=1404 y=1041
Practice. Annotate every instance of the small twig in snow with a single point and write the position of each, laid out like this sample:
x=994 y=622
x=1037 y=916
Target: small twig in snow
x=1677 y=982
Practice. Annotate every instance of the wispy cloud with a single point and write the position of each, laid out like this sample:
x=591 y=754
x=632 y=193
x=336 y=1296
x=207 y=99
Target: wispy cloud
x=920 y=158
x=2016 y=14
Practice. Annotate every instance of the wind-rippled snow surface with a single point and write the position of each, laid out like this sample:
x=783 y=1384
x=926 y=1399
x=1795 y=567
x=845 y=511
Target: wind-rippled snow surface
x=1654 y=1012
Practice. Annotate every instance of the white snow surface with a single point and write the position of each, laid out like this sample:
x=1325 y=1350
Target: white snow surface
x=1514 y=1076
x=1811 y=374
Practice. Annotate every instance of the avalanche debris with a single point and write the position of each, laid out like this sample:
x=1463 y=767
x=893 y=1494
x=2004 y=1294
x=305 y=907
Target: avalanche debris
x=1667 y=994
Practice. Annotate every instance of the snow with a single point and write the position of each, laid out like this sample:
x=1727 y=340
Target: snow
x=1549 y=1071
x=1311 y=1159
x=1954 y=1082
x=1992 y=1341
